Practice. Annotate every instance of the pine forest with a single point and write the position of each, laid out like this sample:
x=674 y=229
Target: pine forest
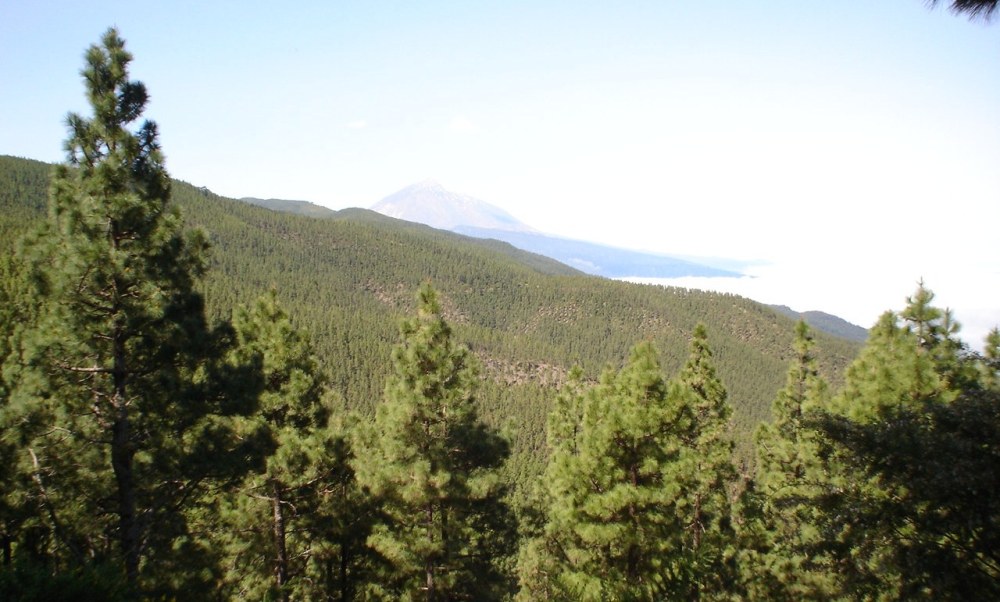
x=203 y=399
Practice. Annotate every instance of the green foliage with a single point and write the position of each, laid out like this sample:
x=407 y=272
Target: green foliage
x=432 y=465
x=888 y=490
x=636 y=505
x=347 y=281
x=289 y=411
x=145 y=452
x=31 y=582
x=910 y=451
x=710 y=532
x=296 y=529
x=990 y=365
x=779 y=556
x=17 y=308
x=115 y=403
x=922 y=524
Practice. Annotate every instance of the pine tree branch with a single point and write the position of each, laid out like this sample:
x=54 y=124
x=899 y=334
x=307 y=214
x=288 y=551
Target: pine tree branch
x=36 y=476
x=84 y=370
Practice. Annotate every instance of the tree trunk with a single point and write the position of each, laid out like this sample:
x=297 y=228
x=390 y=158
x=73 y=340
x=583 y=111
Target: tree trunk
x=632 y=555
x=345 y=593
x=281 y=553
x=128 y=525
x=122 y=454
x=57 y=530
x=429 y=563
x=696 y=523
x=445 y=551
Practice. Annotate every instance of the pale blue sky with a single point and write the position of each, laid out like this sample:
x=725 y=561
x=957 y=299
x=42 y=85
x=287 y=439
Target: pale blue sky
x=852 y=145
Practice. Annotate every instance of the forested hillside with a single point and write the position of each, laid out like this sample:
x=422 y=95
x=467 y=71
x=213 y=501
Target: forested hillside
x=825 y=322
x=261 y=408
x=349 y=279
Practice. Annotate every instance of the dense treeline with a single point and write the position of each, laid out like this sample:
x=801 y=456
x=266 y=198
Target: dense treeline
x=888 y=488
x=349 y=279
x=161 y=437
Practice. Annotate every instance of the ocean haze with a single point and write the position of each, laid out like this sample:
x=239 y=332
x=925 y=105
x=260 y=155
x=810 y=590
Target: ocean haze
x=431 y=204
x=842 y=286
x=850 y=146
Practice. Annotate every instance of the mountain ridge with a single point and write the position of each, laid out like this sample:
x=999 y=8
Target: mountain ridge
x=825 y=322
x=349 y=279
x=430 y=203
x=590 y=258
x=292 y=206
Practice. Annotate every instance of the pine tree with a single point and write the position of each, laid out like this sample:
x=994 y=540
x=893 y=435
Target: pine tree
x=15 y=309
x=937 y=334
x=709 y=529
x=292 y=410
x=118 y=392
x=990 y=366
x=541 y=559
x=910 y=444
x=780 y=560
x=628 y=514
x=339 y=525
x=296 y=529
x=890 y=372
x=433 y=464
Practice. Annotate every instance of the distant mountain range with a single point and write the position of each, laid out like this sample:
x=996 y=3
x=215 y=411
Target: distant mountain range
x=826 y=322
x=431 y=204
x=348 y=278
x=599 y=260
x=299 y=207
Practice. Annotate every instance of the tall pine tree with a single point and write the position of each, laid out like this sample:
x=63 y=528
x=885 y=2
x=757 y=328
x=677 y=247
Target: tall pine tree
x=118 y=393
x=541 y=560
x=710 y=532
x=266 y=508
x=912 y=445
x=432 y=463
x=636 y=503
x=779 y=534
x=296 y=529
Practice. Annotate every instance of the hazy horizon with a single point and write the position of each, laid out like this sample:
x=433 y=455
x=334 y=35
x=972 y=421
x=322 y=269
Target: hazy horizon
x=848 y=149
x=789 y=284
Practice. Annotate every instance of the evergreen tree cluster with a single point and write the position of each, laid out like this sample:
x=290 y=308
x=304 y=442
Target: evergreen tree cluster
x=886 y=489
x=636 y=504
x=155 y=447
x=349 y=279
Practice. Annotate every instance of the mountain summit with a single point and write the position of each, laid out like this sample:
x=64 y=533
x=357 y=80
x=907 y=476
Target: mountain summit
x=430 y=203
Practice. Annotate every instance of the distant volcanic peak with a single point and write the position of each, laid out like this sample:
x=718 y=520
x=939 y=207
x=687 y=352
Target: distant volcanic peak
x=428 y=202
x=428 y=184
x=424 y=187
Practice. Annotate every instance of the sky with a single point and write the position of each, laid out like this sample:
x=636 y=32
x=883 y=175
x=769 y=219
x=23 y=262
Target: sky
x=845 y=148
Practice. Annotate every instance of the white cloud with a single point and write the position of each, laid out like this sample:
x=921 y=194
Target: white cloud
x=860 y=291
x=358 y=124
